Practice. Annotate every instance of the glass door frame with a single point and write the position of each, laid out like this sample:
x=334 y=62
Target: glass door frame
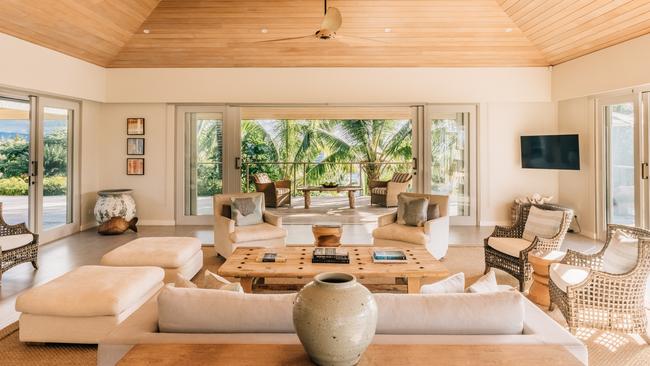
x=641 y=193
x=430 y=111
x=73 y=198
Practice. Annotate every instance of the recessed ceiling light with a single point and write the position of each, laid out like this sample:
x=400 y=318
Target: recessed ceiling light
x=146 y=31
x=508 y=30
x=387 y=30
x=264 y=30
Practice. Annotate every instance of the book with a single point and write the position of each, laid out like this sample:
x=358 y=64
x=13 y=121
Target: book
x=330 y=255
x=329 y=251
x=388 y=256
x=270 y=257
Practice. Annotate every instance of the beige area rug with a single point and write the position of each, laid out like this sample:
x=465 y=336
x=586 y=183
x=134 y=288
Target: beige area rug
x=605 y=348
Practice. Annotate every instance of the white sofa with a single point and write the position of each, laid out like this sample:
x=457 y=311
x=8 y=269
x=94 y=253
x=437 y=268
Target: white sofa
x=434 y=235
x=211 y=316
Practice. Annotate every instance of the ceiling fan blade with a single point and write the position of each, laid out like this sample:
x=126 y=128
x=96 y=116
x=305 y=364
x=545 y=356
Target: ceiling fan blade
x=332 y=20
x=285 y=39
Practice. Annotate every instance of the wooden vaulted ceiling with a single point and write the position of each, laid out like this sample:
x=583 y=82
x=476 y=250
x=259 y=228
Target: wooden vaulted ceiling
x=227 y=33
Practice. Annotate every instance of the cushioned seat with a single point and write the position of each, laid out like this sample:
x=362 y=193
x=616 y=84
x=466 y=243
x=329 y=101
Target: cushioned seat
x=509 y=246
x=412 y=234
x=174 y=254
x=85 y=304
x=14 y=241
x=257 y=232
x=565 y=275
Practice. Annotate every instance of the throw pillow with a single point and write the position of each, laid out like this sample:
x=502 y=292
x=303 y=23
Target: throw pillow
x=621 y=254
x=433 y=211
x=487 y=283
x=451 y=285
x=247 y=210
x=542 y=223
x=216 y=282
x=411 y=211
x=181 y=282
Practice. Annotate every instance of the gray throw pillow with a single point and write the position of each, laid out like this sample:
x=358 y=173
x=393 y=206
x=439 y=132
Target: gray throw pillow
x=246 y=210
x=412 y=211
x=433 y=211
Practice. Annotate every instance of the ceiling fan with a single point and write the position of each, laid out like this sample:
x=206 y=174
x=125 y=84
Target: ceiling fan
x=331 y=22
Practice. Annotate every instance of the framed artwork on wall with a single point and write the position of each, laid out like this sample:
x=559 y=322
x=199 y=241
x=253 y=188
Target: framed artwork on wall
x=134 y=166
x=135 y=126
x=135 y=146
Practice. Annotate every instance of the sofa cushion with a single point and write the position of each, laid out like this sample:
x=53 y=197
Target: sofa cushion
x=401 y=177
x=621 y=254
x=509 y=246
x=15 y=241
x=451 y=285
x=412 y=211
x=486 y=283
x=542 y=223
x=486 y=313
x=262 y=231
x=247 y=210
x=166 y=252
x=190 y=310
x=181 y=282
x=91 y=291
x=433 y=211
x=215 y=282
x=410 y=234
x=564 y=275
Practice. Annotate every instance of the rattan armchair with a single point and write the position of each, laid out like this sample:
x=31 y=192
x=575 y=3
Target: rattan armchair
x=518 y=266
x=17 y=245
x=276 y=193
x=606 y=301
x=384 y=193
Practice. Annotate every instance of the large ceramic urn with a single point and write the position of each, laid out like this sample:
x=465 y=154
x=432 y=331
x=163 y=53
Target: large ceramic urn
x=335 y=318
x=114 y=203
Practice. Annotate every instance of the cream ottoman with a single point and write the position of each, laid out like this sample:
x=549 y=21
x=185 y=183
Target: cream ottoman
x=84 y=305
x=173 y=254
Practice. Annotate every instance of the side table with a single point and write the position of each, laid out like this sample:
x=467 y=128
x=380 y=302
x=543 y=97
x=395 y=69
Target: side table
x=541 y=262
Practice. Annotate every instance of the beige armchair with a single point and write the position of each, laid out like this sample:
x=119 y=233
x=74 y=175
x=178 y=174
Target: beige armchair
x=228 y=236
x=434 y=235
x=385 y=193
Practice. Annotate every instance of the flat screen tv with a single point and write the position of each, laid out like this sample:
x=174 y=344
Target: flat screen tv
x=550 y=152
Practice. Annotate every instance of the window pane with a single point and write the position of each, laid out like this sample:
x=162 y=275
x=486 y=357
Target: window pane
x=450 y=161
x=203 y=161
x=621 y=198
x=57 y=205
x=14 y=160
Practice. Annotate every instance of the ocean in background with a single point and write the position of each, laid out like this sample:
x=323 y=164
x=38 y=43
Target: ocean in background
x=10 y=129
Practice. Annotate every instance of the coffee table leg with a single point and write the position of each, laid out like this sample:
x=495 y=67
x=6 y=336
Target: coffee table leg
x=351 y=198
x=413 y=285
x=247 y=284
x=307 y=195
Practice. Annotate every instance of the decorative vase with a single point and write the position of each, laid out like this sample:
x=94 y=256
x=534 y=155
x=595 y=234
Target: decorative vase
x=335 y=318
x=114 y=203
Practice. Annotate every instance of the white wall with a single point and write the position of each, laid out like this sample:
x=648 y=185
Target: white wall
x=622 y=66
x=91 y=159
x=501 y=178
x=29 y=67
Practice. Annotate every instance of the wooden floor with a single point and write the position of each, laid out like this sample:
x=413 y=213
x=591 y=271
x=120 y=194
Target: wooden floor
x=88 y=247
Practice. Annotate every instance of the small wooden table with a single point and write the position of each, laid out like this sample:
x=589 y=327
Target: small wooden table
x=375 y=355
x=420 y=264
x=306 y=191
x=541 y=262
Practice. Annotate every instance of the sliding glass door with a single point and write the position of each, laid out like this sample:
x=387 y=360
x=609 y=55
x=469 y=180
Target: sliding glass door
x=449 y=141
x=38 y=165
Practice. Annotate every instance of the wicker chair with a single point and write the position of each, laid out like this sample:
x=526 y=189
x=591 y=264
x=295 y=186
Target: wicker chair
x=518 y=266
x=17 y=245
x=276 y=193
x=611 y=302
x=384 y=193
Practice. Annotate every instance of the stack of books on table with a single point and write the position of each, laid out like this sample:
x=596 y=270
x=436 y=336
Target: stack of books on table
x=330 y=255
x=388 y=256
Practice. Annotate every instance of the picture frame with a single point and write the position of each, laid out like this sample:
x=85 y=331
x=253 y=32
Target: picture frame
x=135 y=146
x=135 y=126
x=135 y=166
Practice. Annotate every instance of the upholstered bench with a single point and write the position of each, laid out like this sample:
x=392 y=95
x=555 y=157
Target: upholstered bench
x=181 y=255
x=84 y=305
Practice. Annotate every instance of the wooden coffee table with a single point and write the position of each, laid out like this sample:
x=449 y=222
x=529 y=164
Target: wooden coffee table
x=420 y=264
x=306 y=191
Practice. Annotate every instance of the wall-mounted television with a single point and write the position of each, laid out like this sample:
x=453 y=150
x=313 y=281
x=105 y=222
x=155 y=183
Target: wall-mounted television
x=550 y=152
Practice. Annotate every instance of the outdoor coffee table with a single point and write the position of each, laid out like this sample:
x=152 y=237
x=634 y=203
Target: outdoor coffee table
x=306 y=191
x=420 y=264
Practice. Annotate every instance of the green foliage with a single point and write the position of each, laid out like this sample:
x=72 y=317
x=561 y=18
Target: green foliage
x=56 y=153
x=55 y=186
x=13 y=186
x=14 y=157
x=209 y=179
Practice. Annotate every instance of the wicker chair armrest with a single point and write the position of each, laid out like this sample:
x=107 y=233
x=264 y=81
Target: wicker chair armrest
x=574 y=258
x=16 y=229
x=378 y=183
x=265 y=187
x=507 y=231
x=283 y=183
x=598 y=286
